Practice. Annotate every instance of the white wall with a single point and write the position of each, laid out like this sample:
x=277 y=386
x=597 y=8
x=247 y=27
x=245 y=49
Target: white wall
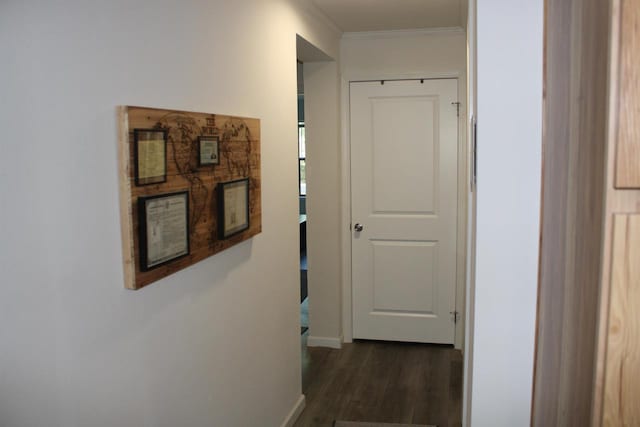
x=216 y=344
x=509 y=100
x=411 y=54
x=375 y=54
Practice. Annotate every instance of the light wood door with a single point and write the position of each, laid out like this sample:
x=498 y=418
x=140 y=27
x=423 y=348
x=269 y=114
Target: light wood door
x=404 y=145
x=588 y=334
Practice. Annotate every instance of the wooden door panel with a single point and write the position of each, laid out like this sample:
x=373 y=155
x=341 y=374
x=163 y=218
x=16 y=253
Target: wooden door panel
x=628 y=155
x=622 y=378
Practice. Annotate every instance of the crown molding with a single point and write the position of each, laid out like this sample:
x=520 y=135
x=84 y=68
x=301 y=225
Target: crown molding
x=402 y=33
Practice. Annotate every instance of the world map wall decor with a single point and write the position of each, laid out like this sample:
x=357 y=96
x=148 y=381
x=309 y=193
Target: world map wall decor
x=189 y=188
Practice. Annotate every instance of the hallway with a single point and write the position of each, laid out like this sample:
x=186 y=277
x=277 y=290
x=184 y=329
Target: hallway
x=382 y=382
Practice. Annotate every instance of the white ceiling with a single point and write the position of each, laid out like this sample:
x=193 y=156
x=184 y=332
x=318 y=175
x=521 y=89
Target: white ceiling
x=385 y=15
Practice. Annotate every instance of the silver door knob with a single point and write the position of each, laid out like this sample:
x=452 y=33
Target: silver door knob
x=358 y=227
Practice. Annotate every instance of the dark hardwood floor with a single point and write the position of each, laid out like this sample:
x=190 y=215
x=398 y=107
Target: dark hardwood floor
x=382 y=382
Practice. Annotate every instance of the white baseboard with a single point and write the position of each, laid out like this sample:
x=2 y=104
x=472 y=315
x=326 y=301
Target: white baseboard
x=293 y=416
x=331 y=342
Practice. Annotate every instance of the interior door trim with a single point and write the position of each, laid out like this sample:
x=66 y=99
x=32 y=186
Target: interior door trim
x=463 y=179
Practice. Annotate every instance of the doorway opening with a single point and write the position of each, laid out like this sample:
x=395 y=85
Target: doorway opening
x=429 y=375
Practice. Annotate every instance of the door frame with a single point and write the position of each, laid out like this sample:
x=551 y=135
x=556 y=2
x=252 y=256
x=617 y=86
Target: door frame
x=463 y=191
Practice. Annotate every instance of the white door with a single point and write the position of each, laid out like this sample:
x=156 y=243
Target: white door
x=404 y=171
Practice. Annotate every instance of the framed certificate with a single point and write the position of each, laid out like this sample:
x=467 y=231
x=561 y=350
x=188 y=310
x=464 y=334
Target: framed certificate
x=164 y=228
x=150 y=152
x=233 y=207
x=208 y=150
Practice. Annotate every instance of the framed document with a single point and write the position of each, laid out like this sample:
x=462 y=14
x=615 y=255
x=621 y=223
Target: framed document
x=233 y=207
x=164 y=228
x=150 y=152
x=208 y=150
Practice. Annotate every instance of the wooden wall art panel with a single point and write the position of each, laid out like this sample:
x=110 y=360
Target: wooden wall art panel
x=238 y=159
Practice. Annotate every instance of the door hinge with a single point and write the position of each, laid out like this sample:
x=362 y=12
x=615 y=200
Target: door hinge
x=454 y=316
x=457 y=104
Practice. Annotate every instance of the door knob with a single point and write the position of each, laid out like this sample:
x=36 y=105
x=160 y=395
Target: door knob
x=358 y=227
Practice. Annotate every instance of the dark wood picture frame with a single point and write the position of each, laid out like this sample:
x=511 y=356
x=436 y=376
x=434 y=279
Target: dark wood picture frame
x=215 y=160
x=225 y=207
x=143 y=227
x=138 y=139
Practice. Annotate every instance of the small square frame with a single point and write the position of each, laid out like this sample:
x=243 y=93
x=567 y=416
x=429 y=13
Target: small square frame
x=145 y=263
x=206 y=156
x=226 y=191
x=140 y=136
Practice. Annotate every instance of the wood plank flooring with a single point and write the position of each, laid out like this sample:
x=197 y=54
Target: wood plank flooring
x=380 y=381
